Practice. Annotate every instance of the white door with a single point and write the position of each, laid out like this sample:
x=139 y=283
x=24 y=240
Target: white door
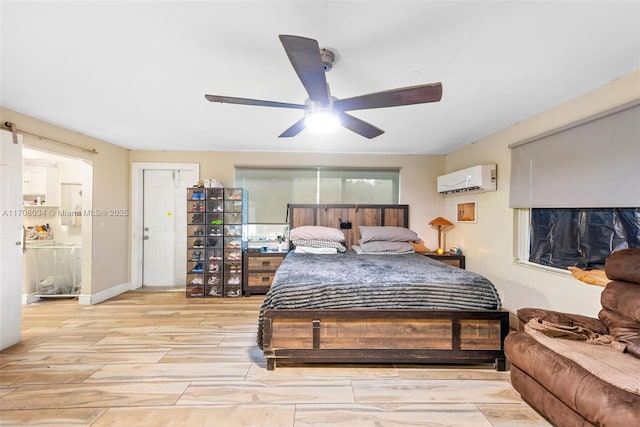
x=11 y=239
x=164 y=227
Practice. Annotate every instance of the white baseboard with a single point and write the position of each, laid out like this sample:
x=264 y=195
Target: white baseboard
x=104 y=295
x=6 y=342
x=29 y=298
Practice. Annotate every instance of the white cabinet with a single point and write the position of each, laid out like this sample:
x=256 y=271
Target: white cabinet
x=34 y=181
x=40 y=182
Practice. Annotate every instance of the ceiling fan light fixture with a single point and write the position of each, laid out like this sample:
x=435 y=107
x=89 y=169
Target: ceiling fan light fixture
x=322 y=122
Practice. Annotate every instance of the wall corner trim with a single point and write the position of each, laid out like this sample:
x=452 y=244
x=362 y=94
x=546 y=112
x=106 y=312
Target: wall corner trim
x=104 y=295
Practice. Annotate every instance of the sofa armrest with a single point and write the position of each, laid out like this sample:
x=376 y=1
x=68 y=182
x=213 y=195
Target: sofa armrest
x=567 y=319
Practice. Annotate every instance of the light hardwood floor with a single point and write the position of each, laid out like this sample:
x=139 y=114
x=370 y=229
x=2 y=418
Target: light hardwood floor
x=160 y=359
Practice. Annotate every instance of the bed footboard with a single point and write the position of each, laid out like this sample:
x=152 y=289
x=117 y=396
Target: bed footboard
x=385 y=336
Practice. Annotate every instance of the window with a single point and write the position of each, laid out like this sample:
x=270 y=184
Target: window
x=358 y=186
x=575 y=190
x=271 y=189
x=583 y=238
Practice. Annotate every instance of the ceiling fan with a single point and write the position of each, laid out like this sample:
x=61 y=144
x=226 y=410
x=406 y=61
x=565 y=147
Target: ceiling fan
x=310 y=63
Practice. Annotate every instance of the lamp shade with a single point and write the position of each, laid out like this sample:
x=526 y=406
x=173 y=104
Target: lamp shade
x=440 y=222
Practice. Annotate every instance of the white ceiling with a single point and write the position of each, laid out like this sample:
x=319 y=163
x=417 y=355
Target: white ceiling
x=135 y=73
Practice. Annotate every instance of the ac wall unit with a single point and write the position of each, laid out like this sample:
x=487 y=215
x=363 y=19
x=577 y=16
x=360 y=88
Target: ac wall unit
x=476 y=179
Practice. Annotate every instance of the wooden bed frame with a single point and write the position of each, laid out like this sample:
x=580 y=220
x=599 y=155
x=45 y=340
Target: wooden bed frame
x=379 y=336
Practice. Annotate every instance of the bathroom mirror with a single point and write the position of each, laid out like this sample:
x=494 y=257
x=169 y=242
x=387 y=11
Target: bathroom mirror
x=70 y=204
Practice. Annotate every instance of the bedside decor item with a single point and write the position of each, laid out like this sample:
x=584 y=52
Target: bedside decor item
x=466 y=212
x=441 y=224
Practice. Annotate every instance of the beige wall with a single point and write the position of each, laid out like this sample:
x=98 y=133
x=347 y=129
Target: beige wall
x=489 y=243
x=108 y=242
x=417 y=175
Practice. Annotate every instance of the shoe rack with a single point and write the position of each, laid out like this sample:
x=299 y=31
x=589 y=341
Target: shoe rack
x=216 y=228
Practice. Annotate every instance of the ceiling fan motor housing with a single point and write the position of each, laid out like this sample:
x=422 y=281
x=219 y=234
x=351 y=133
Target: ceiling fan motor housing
x=327 y=59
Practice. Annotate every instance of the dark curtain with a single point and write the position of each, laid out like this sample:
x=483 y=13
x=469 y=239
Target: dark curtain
x=581 y=237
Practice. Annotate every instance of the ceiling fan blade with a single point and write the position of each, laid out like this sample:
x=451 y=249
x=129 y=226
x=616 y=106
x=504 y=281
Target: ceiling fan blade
x=247 y=101
x=304 y=55
x=359 y=126
x=293 y=130
x=392 y=98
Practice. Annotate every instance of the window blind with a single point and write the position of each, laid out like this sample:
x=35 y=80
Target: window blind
x=593 y=163
x=271 y=189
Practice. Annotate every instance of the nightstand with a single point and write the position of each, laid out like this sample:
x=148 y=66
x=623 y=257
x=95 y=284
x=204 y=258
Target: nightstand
x=260 y=267
x=448 y=258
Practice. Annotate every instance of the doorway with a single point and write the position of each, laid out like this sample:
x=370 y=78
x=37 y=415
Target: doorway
x=56 y=190
x=158 y=224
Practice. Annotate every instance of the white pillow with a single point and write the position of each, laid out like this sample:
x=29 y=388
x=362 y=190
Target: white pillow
x=316 y=243
x=316 y=232
x=321 y=251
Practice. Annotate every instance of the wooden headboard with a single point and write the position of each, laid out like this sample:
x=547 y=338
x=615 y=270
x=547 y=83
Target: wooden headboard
x=333 y=215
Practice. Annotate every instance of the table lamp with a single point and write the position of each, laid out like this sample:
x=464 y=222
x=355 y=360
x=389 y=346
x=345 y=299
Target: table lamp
x=440 y=224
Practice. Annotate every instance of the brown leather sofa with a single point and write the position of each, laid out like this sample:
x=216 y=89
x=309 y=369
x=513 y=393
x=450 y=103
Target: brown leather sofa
x=582 y=371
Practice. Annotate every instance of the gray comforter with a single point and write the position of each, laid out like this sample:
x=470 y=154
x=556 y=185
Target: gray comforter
x=350 y=280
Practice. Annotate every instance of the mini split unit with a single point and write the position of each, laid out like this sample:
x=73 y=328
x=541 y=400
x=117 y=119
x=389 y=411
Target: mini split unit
x=474 y=179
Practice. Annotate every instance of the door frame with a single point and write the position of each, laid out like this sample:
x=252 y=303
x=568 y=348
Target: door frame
x=84 y=298
x=11 y=243
x=137 y=210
